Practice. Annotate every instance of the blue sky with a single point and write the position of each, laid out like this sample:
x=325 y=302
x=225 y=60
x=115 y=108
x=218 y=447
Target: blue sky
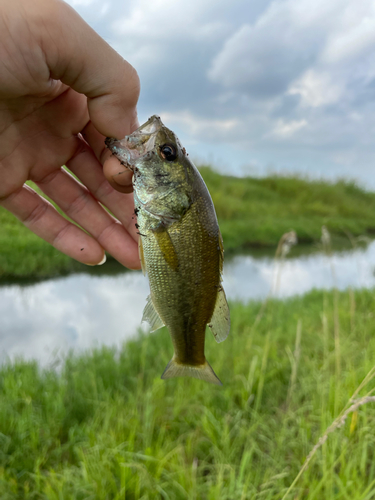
x=254 y=86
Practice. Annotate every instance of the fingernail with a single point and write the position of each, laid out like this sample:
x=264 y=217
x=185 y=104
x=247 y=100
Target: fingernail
x=99 y=263
x=102 y=261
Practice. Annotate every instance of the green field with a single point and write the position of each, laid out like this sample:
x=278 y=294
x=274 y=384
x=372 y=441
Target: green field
x=105 y=426
x=252 y=213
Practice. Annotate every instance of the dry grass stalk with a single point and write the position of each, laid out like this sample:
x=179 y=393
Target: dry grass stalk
x=327 y=248
x=326 y=240
x=286 y=242
x=354 y=240
x=284 y=246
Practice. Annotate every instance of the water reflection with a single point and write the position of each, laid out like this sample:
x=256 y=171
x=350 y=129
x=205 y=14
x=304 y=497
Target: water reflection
x=249 y=278
x=80 y=311
x=46 y=319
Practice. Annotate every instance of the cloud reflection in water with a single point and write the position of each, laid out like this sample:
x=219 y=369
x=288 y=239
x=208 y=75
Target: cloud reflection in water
x=48 y=318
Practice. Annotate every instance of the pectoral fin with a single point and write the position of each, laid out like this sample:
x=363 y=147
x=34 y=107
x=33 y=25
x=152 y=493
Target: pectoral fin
x=167 y=248
x=141 y=256
x=220 y=321
x=151 y=316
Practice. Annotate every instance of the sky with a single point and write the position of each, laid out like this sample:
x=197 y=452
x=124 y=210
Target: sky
x=254 y=86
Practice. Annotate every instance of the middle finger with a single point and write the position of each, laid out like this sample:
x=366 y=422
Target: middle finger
x=79 y=204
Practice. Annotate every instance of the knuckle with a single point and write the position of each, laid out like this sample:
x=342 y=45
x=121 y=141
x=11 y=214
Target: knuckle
x=132 y=85
x=81 y=148
x=107 y=233
x=103 y=190
x=79 y=203
x=47 y=178
x=61 y=233
x=135 y=83
x=36 y=214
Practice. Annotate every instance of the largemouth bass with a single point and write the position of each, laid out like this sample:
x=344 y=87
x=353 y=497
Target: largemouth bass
x=180 y=246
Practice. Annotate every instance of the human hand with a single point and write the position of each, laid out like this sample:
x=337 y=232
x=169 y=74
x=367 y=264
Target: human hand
x=63 y=89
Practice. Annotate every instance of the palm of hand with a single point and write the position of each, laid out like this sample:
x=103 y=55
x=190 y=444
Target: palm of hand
x=46 y=124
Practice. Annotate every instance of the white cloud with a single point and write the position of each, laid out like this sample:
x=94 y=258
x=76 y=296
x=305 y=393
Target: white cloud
x=301 y=42
x=232 y=66
x=200 y=126
x=262 y=58
x=353 y=34
x=168 y=20
x=140 y=56
x=286 y=129
x=258 y=78
x=152 y=32
x=316 y=89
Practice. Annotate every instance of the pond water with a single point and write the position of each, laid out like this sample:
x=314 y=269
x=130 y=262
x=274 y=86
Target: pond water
x=45 y=319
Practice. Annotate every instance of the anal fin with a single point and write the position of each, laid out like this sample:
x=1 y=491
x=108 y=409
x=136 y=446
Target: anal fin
x=151 y=316
x=220 y=321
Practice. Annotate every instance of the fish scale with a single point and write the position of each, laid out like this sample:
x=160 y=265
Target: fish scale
x=181 y=289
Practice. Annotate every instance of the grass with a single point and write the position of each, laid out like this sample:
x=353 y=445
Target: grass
x=251 y=212
x=25 y=255
x=105 y=426
x=255 y=212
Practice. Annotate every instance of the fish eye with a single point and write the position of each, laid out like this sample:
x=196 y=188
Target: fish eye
x=168 y=152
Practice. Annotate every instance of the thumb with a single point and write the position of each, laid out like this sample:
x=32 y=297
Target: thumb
x=80 y=58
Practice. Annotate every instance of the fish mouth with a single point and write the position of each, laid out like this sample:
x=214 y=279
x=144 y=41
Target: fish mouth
x=137 y=144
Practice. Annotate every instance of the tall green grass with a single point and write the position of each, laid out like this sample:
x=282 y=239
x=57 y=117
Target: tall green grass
x=105 y=426
x=251 y=212
x=254 y=212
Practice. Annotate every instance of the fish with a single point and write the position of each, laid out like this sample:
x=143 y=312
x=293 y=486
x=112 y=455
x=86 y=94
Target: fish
x=180 y=246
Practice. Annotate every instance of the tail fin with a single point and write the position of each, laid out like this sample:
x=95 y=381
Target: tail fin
x=202 y=372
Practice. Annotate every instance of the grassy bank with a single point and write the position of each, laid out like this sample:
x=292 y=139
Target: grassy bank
x=108 y=428
x=252 y=213
x=256 y=212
